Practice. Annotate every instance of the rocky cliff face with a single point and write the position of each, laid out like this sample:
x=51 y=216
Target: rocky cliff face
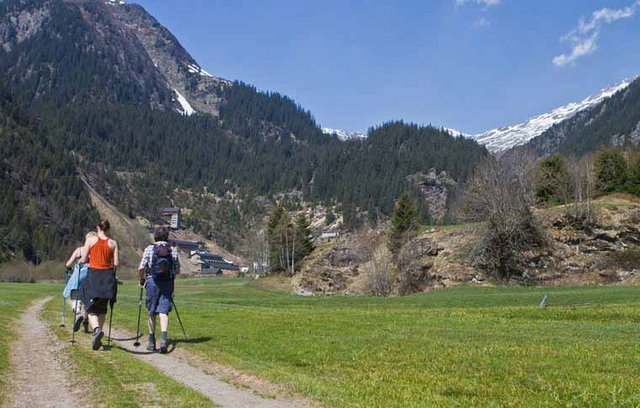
x=181 y=72
x=435 y=189
x=20 y=23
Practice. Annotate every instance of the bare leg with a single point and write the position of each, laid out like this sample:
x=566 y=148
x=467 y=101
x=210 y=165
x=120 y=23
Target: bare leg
x=101 y=319
x=152 y=323
x=94 y=321
x=164 y=322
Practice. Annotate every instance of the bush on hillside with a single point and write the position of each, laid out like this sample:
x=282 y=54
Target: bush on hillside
x=500 y=194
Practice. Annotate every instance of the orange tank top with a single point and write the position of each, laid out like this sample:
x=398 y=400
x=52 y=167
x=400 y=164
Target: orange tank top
x=101 y=255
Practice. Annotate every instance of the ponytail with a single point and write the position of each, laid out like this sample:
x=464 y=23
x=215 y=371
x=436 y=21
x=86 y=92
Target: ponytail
x=104 y=225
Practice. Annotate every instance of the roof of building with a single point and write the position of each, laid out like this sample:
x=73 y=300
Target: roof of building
x=171 y=210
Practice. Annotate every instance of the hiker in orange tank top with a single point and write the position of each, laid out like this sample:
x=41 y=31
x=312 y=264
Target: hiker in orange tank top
x=100 y=286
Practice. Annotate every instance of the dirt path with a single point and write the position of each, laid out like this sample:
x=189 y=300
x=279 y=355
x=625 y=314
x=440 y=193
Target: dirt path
x=37 y=375
x=220 y=392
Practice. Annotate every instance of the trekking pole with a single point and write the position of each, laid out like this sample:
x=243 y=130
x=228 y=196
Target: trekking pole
x=75 y=309
x=64 y=300
x=111 y=310
x=137 y=343
x=110 y=320
x=179 y=320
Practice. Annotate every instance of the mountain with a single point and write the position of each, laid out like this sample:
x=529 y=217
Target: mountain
x=113 y=95
x=344 y=135
x=504 y=138
x=613 y=122
x=87 y=50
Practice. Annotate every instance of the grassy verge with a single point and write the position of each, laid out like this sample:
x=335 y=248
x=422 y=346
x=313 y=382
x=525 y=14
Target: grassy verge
x=117 y=379
x=14 y=298
x=461 y=347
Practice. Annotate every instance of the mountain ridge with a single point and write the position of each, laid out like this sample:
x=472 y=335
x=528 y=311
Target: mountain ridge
x=504 y=138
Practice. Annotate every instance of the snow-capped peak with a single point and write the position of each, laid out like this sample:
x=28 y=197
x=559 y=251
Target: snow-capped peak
x=455 y=133
x=344 y=134
x=505 y=138
x=114 y=2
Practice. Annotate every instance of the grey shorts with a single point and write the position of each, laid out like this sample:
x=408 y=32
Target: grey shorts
x=159 y=296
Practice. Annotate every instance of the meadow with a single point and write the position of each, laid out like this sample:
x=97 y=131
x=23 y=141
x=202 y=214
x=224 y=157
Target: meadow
x=465 y=346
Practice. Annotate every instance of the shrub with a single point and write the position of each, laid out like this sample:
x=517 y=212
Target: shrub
x=380 y=282
x=500 y=193
x=611 y=171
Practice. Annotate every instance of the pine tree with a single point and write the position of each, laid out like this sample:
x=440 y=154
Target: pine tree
x=552 y=180
x=611 y=171
x=330 y=218
x=278 y=237
x=304 y=238
x=634 y=174
x=403 y=223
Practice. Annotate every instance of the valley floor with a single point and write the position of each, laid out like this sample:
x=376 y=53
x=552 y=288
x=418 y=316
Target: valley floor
x=466 y=346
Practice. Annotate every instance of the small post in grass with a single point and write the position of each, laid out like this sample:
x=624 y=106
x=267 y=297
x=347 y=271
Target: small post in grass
x=543 y=303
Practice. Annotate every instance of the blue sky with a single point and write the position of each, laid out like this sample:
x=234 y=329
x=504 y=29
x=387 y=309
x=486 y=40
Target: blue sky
x=471 y=65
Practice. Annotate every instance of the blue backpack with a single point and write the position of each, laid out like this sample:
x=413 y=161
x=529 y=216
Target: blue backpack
x=162 y=268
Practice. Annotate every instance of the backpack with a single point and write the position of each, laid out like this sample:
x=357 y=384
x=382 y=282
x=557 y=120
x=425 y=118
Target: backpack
x=162 y=268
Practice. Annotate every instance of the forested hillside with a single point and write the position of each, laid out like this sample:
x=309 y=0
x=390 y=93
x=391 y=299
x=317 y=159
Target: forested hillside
x=201 y=152
x=370 y=174
x=43 y=205
x=61 y=52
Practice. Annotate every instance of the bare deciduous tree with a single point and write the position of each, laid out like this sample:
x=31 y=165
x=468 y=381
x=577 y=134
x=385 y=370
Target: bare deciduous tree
x=583 y=185
x=380 y=281
x=501 y=194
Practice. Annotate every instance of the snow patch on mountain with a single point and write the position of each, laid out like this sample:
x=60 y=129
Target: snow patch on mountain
x=455 y=133
x=194 y=69
x=344 y=134
x=505 y=138
x=187 y=110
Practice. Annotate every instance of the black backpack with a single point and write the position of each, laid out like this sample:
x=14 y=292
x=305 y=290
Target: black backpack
x=162 y=268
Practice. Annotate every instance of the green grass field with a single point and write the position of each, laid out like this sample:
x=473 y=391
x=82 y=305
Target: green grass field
x=465 y=346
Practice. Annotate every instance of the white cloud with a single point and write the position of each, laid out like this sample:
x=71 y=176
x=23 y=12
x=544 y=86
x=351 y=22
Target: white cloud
x=482 y=22
x=584 y=38
x=480 y=2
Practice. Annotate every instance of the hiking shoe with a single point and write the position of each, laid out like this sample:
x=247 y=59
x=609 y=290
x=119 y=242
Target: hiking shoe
x=85 y=326
x=163 y=343
x=76 y=324
x=152 y=343
x=96 y=339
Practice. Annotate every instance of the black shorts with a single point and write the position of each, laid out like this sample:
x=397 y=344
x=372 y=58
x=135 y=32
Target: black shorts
x=98 y=289
x=99 y=306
